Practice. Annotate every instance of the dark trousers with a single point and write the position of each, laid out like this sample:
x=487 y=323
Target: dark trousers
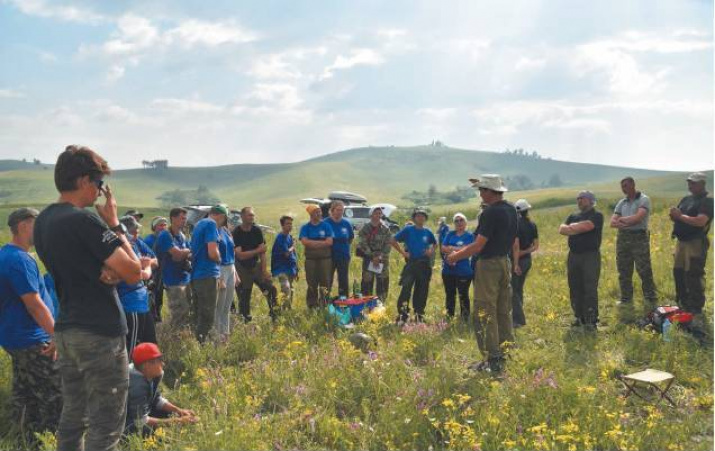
x=343 y=268
x=584 y=271
x=452 y=285
x=380 y=282
x=249 y=277
x=156 y=295
x=416 y=274
x=204 y=306
x=517 y=293
x=36 y=399
x=689 y=274
x=633 y=249
x=95 y=381
x=141 y=330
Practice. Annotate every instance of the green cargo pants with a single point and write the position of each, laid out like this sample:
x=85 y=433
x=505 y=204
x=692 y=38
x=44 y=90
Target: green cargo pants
x=492 y=306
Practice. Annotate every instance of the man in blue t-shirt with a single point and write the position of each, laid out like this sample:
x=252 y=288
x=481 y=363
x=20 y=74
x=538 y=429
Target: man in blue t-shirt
x=284 y=260
x=206 y=270
x=419 y=243
x=174 y=254
x=343 y=236
x=27 y=327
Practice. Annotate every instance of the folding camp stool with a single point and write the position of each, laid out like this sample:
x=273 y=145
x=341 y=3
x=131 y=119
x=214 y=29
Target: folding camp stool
x=636 y=382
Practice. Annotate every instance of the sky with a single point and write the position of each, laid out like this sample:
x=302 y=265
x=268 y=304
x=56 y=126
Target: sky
x=626 y=83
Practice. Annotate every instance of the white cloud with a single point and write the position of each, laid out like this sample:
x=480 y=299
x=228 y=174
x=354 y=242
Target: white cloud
x=11 y=94
x=437 y=114
x=176 y=106
x=358 y=57
x=52 y=10
x=526 y=63
x=47 y=57
x=211 y=34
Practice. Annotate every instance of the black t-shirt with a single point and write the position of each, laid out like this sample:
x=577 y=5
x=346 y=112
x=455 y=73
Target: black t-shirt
x=693 y=206
x=73 y=243
x=248 y=241
x=588 y=241
x=528 y=232
x=497 y=223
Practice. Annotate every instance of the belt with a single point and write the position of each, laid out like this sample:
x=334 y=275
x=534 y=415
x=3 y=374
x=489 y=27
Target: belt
x=634 y=232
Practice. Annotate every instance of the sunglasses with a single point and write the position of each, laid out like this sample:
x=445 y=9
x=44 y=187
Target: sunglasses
x=99 y=183
x=459 y=220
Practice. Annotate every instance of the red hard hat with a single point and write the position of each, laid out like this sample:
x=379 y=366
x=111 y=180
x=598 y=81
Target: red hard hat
x=145 y=352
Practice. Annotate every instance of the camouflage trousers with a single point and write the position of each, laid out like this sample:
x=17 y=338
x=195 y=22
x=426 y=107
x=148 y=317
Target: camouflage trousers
x=36 y=391
x=633 y=249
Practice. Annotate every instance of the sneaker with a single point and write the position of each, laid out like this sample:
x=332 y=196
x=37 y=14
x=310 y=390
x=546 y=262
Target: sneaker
x=624 y=302
x=496 y=365
x=482 y=366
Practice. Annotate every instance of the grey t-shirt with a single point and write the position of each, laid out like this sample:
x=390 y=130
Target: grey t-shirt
x=627 y=207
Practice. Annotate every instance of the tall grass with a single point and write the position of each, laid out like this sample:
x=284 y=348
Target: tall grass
x=300 y=384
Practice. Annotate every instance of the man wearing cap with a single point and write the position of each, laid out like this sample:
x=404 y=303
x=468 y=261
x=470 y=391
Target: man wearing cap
x=419 y=244
x=528 y=239
x=206 y=270
x=584 y=230
x=146 y=408
x=27 y=327
x=252 y=265
x=156 y=287
x=135 y=297
x=87 y=255
x=317 y=239
x=495 y=241
x=374 y=247
x=174 y=254
x=691 y=224
x=630 y=217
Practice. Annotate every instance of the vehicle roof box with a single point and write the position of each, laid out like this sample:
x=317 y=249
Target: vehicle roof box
x=347 y=197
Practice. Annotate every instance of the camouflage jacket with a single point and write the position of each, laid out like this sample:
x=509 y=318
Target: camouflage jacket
x=370 y=243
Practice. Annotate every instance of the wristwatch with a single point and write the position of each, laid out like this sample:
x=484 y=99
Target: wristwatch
x=119 y=229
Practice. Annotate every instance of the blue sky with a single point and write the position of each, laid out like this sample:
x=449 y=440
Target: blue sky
x=615 y=82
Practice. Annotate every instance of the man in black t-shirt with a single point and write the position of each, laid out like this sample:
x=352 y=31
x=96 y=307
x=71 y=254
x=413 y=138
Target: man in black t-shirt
x=251 y=264
x=584 y=230
x=495 y=241
x=691 y=224
x=87 y=255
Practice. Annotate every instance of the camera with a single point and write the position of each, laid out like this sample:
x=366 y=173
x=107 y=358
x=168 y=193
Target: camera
x=186 y=265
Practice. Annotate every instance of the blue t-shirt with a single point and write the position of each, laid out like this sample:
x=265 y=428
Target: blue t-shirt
x=463 y=268
x=318 y=232
x=225 y=247
x=149 y=240
x=280 y=262
x=135 y=298
x=19 y=275
x=342 y=236
x=52 y=291
x=205 y=232
x=171 y=271
x=416 y=240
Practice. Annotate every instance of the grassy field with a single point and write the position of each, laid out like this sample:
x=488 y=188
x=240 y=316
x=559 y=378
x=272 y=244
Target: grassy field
x=300 y=384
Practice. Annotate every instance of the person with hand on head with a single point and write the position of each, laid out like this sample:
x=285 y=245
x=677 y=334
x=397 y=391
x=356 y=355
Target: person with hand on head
x=206 y=270
x=691 y=224
x=584 y=230
x=174 y=254
x=27 y=327
x=135 y=297
x=146 y=408
x=374 y=247
x=457 y=277
x=252 y=265
x=87 y=255
x=317 y=238
x=419 y=250
x=495 y=240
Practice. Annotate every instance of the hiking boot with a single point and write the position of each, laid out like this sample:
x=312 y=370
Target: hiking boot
x=482 y=366
x=496 y=365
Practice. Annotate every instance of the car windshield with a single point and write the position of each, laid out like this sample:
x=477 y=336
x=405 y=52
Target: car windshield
x=357 y=212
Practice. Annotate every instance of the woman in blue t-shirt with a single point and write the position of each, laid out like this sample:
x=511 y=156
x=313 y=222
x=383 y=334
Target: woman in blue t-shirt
x=457 y=277
x=135 y=298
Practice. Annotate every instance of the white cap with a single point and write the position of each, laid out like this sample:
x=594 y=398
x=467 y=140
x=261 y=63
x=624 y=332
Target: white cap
x=489 y=181
x=522 y=205
x=458 y=215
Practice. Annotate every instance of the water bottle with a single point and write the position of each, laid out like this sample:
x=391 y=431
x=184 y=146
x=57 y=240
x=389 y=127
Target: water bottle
x=666 y=330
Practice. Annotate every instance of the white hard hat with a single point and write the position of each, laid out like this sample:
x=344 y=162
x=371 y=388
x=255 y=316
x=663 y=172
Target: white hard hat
x=522 y=205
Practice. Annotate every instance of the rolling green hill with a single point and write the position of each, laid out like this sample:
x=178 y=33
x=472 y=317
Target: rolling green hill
x=380 y=173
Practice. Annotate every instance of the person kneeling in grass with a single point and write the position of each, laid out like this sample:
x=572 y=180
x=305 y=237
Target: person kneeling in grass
x=146 y=408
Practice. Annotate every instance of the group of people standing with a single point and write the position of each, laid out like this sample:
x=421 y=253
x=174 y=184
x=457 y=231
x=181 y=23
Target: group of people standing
x=107 y=279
